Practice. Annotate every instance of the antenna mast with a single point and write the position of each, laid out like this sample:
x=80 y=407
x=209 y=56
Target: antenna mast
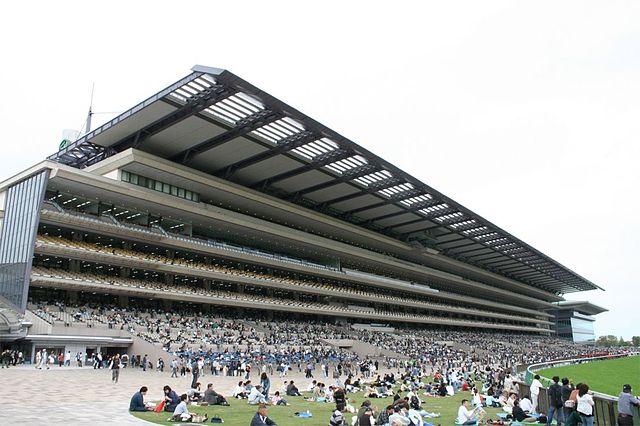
x=90 y=114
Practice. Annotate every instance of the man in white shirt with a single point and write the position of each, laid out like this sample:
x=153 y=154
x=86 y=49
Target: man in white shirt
x=526 y=405
x=465 y=415
x=535 y=391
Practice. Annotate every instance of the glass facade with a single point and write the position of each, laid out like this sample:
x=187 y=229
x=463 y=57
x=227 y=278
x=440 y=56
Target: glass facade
x=582 y=330
x=17 y=238
x=159 y=186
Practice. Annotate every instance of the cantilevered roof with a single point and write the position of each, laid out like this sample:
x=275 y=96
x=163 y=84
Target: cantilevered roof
x=215 y=122
x=584 y=307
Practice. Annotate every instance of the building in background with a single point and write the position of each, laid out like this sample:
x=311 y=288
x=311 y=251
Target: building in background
x=574 y=320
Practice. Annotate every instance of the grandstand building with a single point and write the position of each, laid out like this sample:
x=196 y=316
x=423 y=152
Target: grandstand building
x=574 y=320
x=215 y=195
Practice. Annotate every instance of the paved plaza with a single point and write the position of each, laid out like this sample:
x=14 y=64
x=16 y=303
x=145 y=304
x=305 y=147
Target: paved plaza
x=74 y=396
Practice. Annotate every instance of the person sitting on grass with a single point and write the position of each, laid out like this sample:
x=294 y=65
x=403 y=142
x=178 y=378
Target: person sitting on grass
x=240 y=392
x=212 y=397
x=256 y=396
x=519 y=414
x=137 y=401
x=292 y=390
x=337 y=418
x=526 y=404
x=261 y=419
x=276 y=399
x=467 y=416
x=383 y=417
x=195 y=394
x=171 y=399
x=181 y=413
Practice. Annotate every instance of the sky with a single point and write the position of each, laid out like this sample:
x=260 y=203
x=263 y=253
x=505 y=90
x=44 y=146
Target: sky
x=525 y=112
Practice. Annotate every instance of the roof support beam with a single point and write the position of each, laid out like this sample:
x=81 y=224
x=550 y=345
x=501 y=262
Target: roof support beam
x=347 y=176
x=241 y=128
x=283 y=146
x=318 y=162
x=194 y=105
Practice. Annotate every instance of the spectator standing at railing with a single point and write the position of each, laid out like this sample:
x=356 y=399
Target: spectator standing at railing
x=554 y=396
x=567 y=389
x=625 y=403
x=584 y=405
x=535 y=391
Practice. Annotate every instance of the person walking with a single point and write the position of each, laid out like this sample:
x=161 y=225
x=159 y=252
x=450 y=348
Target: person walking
x=174 y=368
x=114 y=366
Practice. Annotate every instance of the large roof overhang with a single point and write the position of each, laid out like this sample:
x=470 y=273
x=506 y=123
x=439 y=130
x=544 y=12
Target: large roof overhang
x=583 y=306
x=215 y=122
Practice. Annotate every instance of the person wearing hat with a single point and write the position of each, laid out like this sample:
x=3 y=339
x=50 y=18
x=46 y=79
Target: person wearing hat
x=625 y=401
x=261 y=419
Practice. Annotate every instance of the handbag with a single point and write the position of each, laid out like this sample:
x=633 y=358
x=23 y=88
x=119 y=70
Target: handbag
x=570 y=403
x=160 y=407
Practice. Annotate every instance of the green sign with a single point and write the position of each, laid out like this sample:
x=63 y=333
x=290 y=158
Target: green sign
x=64 y=144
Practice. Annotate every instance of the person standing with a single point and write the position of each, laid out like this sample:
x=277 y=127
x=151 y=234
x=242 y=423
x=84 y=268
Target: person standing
x=554 y=396
x=567 y=407
x=625 y=402
x=535 y=391
x=144 y=363
x=114 y=366
x=585 y=405
x=174 y=368
x=266 y=384
x=195 y=373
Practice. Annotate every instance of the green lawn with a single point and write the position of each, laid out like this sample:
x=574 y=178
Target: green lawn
x=606 y=376
x=240 y=413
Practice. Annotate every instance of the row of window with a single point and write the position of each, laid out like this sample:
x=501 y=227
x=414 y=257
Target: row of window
x=156 y=185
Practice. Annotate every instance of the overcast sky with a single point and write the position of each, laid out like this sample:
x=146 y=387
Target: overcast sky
x=525 y=112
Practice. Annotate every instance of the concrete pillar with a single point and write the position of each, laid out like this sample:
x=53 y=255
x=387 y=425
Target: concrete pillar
x=123 y=300
x=74 y=265
x=166 y=303
x=241 y=288
x=73 y=296
x=187 y=229
x=168 y=279
x=207 y=284
x=125 y=272
x=171 y=254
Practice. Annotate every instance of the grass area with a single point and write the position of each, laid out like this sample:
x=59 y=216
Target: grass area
x=240 y=413
x=605 y=376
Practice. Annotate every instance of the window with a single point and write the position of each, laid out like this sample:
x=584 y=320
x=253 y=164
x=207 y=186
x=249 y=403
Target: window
x=159 y=186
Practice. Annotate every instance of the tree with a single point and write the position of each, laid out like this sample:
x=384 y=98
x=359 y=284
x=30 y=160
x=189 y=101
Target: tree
x=607 y=341
x=622 y=342
x=635 y=341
